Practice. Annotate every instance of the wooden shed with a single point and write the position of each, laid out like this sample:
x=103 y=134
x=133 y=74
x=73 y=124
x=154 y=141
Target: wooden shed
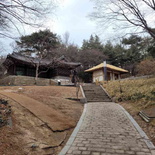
x=113 y=72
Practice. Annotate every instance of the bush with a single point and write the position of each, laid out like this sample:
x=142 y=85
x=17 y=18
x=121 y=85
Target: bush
x=146 y=67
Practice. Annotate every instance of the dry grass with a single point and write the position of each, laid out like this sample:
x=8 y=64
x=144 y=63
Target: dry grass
x=135 y=95
x=28 y=130
x=139 y=91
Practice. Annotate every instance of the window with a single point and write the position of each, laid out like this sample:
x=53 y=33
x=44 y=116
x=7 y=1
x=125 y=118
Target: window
x=20 y=70
x=31 y=72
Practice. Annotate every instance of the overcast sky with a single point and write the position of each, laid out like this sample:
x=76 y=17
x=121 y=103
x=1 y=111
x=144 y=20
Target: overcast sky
x=70 y=16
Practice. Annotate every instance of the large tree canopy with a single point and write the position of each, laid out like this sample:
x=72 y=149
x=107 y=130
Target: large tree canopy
x=93 y=43
x=138 y=14
x=92 y=52
x=13 y=12
x=40 y=43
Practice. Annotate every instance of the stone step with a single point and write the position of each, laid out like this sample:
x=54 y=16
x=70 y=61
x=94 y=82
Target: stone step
x=99 y=90
x=97 y=97
x=91 y=88
x=94 y=90
x=95 y=93
x=99 y=101
x=99 y=94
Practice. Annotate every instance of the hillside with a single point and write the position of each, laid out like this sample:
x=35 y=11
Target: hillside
x=34 y=130
x=135 y=95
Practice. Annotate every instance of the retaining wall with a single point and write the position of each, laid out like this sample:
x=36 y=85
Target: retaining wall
x=25 y=81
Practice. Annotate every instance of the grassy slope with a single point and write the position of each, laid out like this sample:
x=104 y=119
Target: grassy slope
x=135 y=95
x=140 y=91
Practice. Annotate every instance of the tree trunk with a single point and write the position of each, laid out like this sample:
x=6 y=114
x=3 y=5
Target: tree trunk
x=37 y=73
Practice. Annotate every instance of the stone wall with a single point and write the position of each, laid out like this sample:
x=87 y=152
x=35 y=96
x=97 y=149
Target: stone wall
x=63 y=79
x=25 y=81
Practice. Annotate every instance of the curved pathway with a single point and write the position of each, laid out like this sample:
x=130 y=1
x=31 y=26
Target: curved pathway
x=105 y=128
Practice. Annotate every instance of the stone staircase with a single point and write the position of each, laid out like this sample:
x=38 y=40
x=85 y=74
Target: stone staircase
x=95 y=93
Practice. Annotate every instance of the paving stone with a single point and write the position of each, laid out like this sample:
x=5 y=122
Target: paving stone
x=145 y=150
x=76 y=152
x=73 y=148
x=70 y=151
x=141 y=153
x=80 y=144
x=85 y=152
x=82 y=148
x=95 y=153
x=106 y=130
x=120 y=151
x=130 y=152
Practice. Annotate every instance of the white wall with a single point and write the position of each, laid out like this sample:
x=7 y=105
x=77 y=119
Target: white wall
x=98 y=75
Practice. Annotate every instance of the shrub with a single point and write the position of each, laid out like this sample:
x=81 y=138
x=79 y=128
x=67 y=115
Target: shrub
x=146 y=67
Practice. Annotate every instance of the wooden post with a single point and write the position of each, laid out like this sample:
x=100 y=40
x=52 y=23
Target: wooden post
x=14 y=69
x=113 y=75
x=119 y=76
x=105 y=70
x=111 y=78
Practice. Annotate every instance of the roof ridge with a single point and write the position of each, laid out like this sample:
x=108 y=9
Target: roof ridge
x=108 y=66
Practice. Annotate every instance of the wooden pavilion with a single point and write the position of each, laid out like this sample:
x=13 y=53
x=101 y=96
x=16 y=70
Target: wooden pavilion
x=113 y=72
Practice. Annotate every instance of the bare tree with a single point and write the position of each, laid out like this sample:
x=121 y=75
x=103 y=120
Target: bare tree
x=42 y=65
x=66 y=38
x=23 y=12
x=138 y=14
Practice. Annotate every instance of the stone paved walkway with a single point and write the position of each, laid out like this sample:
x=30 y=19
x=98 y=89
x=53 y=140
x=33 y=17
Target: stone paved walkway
x=107 y=130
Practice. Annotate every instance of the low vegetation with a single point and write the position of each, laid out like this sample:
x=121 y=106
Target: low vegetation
x=138 y=91
x=135 y=95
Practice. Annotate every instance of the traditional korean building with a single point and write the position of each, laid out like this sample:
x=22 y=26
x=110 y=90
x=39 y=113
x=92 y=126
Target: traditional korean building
x=20 y=65
x=113 y=72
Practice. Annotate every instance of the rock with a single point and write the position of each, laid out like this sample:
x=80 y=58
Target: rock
x=34 y=146
x=45 y=146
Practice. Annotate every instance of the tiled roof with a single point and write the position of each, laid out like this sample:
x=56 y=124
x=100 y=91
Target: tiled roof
x=43 y=62
x=108 y=66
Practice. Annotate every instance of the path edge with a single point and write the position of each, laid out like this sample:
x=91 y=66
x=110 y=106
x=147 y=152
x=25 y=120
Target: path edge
x=74 y=133
x=139 y=129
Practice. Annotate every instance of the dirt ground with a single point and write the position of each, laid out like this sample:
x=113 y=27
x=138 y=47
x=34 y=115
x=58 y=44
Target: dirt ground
x=30 y=134
x=148 y=128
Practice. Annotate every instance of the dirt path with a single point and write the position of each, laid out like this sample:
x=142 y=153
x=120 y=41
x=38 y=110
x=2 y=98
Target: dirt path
x=55 y=120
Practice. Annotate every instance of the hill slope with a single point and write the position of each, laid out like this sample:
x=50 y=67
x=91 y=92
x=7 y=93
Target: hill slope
x=31 y=129
x=135 y=95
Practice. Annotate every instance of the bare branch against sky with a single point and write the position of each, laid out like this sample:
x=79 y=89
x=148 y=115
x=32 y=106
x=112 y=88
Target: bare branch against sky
x=135 y=15
x=17 y=13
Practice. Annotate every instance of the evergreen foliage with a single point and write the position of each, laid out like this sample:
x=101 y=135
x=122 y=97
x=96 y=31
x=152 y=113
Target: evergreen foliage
x=38 y=42
x=126 y=54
